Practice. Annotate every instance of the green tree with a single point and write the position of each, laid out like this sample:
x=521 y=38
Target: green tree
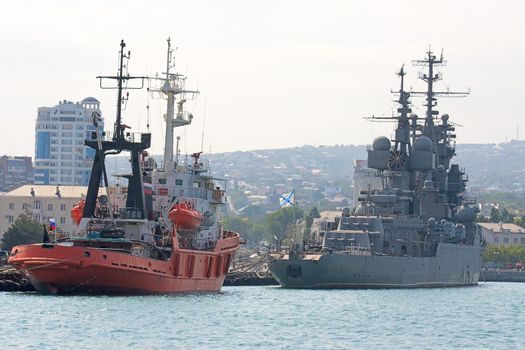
x=253 y=232
x=237 y=224
x=259 y=232
x=504 y=254
x=238 y=198
x=495 y=215
x=309 y=219
x=254 y=212
x=507 y=216
x=481 y=218
x=23 y=231
x=278 y=221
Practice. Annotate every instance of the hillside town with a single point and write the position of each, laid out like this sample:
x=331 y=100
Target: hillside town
x=325 y=179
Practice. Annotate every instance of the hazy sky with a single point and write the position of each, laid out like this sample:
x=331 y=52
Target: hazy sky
x=271 y=73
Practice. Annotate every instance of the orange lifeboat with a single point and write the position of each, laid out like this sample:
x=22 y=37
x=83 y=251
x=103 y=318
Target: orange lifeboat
x=184 y=217
x=77 y=211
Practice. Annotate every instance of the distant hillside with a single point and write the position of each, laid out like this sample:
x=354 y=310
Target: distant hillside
x=498 y=167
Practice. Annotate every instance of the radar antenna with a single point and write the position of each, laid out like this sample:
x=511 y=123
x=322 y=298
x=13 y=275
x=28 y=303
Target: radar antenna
x=431 y=77
x=121 y=99
x=169 y=86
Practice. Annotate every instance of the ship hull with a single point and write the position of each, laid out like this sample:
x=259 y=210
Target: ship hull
x=59 y=269
x=453 y=266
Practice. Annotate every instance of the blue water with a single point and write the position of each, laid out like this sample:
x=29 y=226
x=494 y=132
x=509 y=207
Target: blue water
x=489 y=316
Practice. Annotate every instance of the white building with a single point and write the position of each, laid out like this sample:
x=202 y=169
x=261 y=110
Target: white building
x=365 y=179
x=42 y=202
x=325 y=222
x=60 y=155
x=506 y=234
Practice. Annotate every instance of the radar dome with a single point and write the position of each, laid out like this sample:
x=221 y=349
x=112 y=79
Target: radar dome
x=444 y=117
x=381 y=143
x=423 y=143
x=465 y=215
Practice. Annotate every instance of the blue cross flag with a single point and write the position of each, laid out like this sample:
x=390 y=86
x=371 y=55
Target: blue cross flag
x=287 y=199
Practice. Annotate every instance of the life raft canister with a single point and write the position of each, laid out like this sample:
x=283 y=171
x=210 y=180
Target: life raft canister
x=77 y=211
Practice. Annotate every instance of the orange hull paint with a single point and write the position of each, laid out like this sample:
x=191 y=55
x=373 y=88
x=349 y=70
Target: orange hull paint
x=73 y=269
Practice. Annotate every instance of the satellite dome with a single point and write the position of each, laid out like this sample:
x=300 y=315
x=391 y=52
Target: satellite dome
x=381 y=143
x=440 y=169
x=423 y=143
x=465 y=215
x=413 y=116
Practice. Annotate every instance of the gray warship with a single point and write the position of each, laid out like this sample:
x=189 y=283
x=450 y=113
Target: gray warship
x=416 y=230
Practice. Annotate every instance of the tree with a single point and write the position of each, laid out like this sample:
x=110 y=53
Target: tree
x=278 y=221
x=237 y=224
x=309 y=219
x=507 y=216
x=23 y=231
x=503 y=254
x=481 y=218
x=260 y=232
x=495 y=216
x=253 y=232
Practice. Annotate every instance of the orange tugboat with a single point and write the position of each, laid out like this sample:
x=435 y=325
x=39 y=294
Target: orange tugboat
x=121 y=250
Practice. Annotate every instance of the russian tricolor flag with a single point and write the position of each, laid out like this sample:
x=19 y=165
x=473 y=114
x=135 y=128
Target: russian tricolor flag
x=52 y=224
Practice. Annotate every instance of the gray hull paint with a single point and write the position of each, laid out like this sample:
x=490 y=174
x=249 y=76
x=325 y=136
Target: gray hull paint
x=454 y=265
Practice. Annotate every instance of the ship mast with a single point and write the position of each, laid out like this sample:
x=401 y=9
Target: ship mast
x=402 y=137
x=173 y=84
x=104 y=145
x=431 y=77
x=170 y=93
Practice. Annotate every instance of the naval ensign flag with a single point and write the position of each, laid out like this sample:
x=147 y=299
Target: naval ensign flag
x=287 y=199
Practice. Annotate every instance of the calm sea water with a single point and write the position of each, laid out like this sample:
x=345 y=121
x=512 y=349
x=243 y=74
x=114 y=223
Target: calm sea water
x=489 y=316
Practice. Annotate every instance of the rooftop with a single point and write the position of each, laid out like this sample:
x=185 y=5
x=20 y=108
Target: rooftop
x=47 y=191
x=327 y=216
x=500 y=227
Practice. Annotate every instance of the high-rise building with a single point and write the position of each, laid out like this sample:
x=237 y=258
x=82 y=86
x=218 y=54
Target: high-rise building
x=60 y=155
x=15 y=172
